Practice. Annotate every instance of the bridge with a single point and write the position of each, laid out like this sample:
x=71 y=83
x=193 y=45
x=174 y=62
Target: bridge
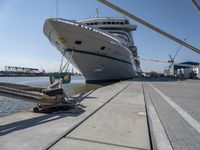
x=20 y=71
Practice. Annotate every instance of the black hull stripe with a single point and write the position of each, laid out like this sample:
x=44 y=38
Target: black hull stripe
x=108 y=80
x=97 y=54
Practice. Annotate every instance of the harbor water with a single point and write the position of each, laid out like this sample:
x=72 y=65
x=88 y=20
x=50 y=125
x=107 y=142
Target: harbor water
x=9 y=106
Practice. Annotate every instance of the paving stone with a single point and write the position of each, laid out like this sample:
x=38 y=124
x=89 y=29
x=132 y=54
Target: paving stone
x=181 y=134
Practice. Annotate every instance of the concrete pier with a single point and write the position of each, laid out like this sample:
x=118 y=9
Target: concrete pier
x=142 y=114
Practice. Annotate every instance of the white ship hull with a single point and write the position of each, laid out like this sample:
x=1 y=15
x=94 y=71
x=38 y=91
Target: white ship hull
x=98 y=55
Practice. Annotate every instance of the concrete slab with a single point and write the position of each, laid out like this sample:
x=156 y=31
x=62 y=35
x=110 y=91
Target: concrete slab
x=119 y=124
x=132 y=95
x=26 y=130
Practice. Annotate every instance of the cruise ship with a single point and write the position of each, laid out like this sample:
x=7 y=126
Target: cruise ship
x=102 y=48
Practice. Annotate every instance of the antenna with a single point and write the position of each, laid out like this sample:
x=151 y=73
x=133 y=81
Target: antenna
x=97 y=12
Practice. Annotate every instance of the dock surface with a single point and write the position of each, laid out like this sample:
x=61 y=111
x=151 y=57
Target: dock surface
x=138 y=114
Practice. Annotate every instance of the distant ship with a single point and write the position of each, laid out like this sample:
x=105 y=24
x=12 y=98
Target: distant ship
x=103 y=47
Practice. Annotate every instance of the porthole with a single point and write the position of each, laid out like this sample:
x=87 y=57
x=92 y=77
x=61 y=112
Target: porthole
x=103 y=48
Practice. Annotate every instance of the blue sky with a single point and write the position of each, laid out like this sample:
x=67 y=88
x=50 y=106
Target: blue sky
x=23 y=43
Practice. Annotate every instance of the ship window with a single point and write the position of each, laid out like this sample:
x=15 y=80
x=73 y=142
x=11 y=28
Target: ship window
x=95 y=23
x=103 y=47
x=117 y=22
x=121 y=23
x=57 y=43
x=109 y=22
x=104 y=22
x=113 y=22
x=78 y=42
x=91 y=23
